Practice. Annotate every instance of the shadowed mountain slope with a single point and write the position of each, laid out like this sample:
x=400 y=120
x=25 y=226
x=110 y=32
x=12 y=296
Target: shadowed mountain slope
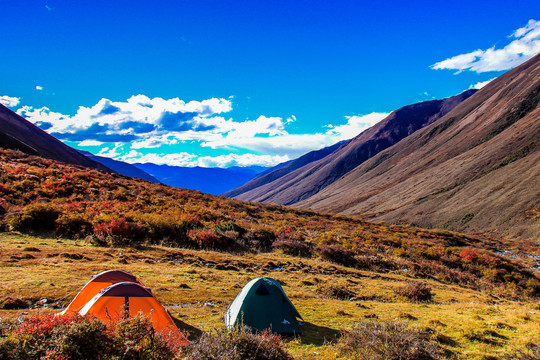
x=283 y=169
x=213 y=181
x=121 y=167
x=293 y=183
x=20 y=134
x=476 y=169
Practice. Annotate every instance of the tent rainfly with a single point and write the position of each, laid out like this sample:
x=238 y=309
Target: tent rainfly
x=127 y=299
x=263 y=305
x=94 y=286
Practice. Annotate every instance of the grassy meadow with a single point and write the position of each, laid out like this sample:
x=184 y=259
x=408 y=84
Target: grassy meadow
x=197 y=286
x=473 y=296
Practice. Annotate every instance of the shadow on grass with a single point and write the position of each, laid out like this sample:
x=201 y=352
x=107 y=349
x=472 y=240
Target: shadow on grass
x=318 y=335
x=194 y=333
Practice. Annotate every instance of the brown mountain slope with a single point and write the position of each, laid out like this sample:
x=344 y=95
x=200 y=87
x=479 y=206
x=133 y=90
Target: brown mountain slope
x=283 y=170
x=291 y=184
x=476 y=169
x=20 y=134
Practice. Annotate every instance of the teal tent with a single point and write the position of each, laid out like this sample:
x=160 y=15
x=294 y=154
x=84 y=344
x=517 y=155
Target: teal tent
x=263 y=305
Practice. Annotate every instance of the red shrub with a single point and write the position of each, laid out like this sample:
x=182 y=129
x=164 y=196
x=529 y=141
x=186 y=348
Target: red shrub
x=119 y=232
x=4 y=189
x=208 y=239
x=470 y=254
x=74 y=206
x=116 y=227
x=85 y=338
x=288 y=230
x=44 y=325
x=491 y=261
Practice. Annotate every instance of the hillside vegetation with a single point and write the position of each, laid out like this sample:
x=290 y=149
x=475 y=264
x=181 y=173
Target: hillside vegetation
x=458 y=295
x=40 y=195
x=475 y=169
x=469 y=163
x=314 y=171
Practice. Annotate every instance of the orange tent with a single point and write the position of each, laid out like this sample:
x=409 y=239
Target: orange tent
x=94 y=286
x=127 y=299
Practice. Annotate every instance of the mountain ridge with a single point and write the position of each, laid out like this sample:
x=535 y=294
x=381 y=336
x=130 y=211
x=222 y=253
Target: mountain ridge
x=311 y=177
x=200 y=178
x=283 y=169
x=121 y=167
x=19 y=134
x=472 y=170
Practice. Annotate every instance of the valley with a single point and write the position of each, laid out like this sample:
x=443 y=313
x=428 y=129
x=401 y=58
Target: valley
x=197 y=286
x=270 y=180
x=195 y=251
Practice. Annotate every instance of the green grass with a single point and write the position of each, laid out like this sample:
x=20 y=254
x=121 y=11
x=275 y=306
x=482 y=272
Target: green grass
x=191 y=285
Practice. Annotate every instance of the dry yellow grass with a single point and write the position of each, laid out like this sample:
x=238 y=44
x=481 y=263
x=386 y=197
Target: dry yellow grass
x=197 y=287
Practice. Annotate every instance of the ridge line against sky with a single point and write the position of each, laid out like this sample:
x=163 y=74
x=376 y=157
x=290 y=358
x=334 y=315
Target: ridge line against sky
x=219 y=131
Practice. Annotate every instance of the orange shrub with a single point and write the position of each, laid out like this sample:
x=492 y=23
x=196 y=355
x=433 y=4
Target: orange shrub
x=470 y=254
x=209 y=239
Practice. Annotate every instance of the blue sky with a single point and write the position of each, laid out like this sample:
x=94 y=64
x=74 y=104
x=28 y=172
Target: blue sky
x=222 y=83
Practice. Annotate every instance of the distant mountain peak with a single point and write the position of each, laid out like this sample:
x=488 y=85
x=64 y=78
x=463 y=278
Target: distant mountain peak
x=316 y=170
x=120 y=167
x=474 y=169
x=20 y=134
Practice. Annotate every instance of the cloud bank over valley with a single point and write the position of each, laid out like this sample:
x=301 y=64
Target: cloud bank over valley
x=186 y=133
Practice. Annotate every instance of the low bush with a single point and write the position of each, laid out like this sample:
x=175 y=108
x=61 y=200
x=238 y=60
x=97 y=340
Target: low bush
x=73 y=226
x=39 y=216
x=532 y=287
x=335 y=291
x=230 y=227
x=135 y=338
x=531 y=353
x=14 y=303
x=259 y=239
x=209 y=239
x=83 y=338
x=293 y=247
x=415 y=291
x=370 y=340
x=119 y=232
x=238 y=344
x=336 y=254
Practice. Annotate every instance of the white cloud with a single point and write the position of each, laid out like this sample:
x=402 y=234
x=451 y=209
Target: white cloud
x=189 y=160
x=459 y=62
x=111 y=152
x=40 y=116
x=282 y=143
x=263 y=125
x=178 y=159
x=90 y=143
x=241 y=160
x=138 y=118
x=524 y=47
x=154 y=142
x=39 y=88
x=481 y=84
x=9 y=101
x=141 y=122
x=355 y=125
x=291 y=145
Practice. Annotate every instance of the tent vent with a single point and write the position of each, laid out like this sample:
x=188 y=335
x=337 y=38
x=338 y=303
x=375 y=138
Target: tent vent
x=262 y=290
